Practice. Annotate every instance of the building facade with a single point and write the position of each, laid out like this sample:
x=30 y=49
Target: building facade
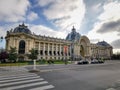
x=74 y=47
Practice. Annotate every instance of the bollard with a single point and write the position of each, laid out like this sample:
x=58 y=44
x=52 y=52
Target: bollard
x=34 y=67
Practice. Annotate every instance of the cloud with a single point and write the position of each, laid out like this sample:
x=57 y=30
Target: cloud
x=111 y=26
x=2 y=32
x=13 y=10
x=64 y=12
x=108 y=25
x=43 y=30
x=44 y=3
x=110 y=18
x=108 y=21
x=32 y=16
x=93 y=34
x=111 y=12
x=7 y=27
x=96 y=7
x=116 y=44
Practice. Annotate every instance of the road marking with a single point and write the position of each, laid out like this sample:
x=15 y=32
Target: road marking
x=11 y=72
x=43 y=87
x=9 y=78
x=24 y=85
x=13 y=79
x=14 y=75
x=110 y=89
x=19 y=79
x=20 y=82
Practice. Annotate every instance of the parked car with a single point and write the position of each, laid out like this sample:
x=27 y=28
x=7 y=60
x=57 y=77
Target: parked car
x=94 y=61
x=83 y=62
x=101 y=61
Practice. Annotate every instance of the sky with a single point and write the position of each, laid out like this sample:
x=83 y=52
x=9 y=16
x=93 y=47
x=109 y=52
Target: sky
x=97 y=19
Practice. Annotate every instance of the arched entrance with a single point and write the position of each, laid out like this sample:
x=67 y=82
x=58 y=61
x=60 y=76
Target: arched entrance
x=21 y=47
x=84 y=44
x=82 y=52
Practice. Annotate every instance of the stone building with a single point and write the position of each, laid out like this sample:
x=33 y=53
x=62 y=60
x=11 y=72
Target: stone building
x=74 y=47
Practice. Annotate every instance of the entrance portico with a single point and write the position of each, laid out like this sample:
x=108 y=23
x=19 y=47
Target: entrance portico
x=84 y=46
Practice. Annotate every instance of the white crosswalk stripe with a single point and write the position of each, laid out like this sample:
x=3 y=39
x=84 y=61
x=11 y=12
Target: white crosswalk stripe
x=21 y=82
x=4 y=76
x=43 y=87
x=18 y=79
x=14 y=79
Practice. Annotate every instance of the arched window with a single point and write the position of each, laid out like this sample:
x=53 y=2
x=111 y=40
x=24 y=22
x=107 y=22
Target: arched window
x=22 y=47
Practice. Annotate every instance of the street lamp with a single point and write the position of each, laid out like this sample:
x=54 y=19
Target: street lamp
x=1 y=38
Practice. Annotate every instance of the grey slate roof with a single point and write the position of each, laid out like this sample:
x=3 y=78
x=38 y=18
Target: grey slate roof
x=103 y=43
x=22 y=28
x=73 y=36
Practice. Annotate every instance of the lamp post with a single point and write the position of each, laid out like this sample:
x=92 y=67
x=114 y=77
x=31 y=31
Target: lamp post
x=34 y=64
x=1 y=38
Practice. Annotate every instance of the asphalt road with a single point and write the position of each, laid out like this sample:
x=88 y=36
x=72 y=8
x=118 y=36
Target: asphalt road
x=82 y=77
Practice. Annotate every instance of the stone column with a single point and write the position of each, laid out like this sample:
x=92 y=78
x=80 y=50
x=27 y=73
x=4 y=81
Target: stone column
x=39 y=51
x=17 y=45
x=10 y=43
x=27 y=46
x=13 y=44
x=43 y=49
x=60 y=50
x=56 y=49
x=48 y=48
x=52 y=49
x=39 y=48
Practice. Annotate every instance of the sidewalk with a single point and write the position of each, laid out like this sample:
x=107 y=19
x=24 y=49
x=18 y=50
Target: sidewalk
x=115 y=86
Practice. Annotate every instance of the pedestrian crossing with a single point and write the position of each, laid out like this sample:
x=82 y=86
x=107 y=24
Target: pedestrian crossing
x=14 y=79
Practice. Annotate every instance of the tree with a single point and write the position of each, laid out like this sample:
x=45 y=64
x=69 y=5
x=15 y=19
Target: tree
x=12 y=54
x=33 y=54
x=3 y=56
x=116 y=56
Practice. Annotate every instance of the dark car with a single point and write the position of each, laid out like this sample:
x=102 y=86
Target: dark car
x=83 y=62
x=95 y=61
x=101 y=61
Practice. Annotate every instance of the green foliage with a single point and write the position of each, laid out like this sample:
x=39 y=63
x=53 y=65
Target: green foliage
x=42 y=61
x=3 y=56
x=12 y=54
x=116 y=56
x=33 y=54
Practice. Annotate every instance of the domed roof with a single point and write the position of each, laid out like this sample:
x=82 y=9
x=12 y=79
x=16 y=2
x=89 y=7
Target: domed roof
x=103 y=43
x=73 y=36
x=22 y=28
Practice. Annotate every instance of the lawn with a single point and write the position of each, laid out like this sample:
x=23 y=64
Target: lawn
x=31 y=63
